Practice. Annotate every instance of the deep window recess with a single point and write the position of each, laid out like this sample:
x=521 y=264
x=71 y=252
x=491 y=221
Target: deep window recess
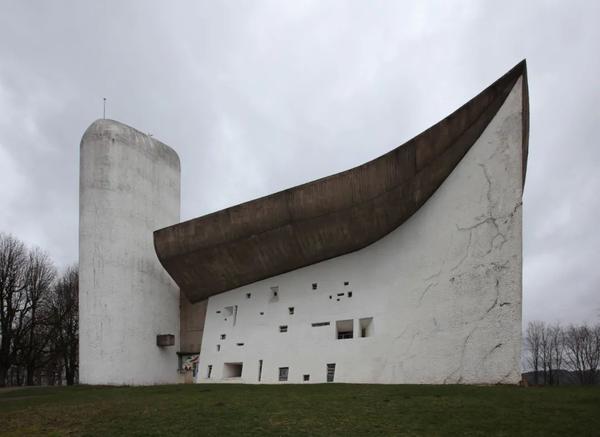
x=275 y=290
x=262 y=313
x=283 y=328
x=349 y=294
x=223 y=336
x=218 y=348
x=344 y=329
x=232 y=370
x=314 y=325
x=330 y=296
x=306 y=377
x=248 y=295
x=291 y=310
x=330 y=372
x=240 y=344
x=340 y=294
x=314 y=286
x=283 y=373
x=346 y=283
x=218 y=311
x=366 y=326
x=259 y=370
x=209 y=371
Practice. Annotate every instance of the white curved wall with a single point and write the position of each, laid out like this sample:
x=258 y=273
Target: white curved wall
x=444 y=290
x=129 y=187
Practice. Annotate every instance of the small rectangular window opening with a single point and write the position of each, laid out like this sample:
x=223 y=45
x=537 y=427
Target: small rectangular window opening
x=218 y=348
x=291 y=310
x=248 y=295
x=340 y=294
x=330 y=372
x=260 y=370
x=275 y=290
x=283 y=328
x=262 y=313
x=240 y=344
x=283 y=373
x=366 y=327
x=314 y=286
x=346 y=283
x=306 y=378
x=209 y=371
x=223 y=336
x=314 y=325
x=349 y=294
x=232 y=370
x=344 y=329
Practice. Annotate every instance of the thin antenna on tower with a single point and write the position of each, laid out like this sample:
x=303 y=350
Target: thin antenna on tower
x=104 y=108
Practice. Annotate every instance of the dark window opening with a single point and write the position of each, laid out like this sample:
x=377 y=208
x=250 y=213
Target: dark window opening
x=330 y=372
x=262 y=313
x=218 y=311
x=349 y=294
x=209 y=371
x=314 y=286
x=218 y=348
x=291 y=310
x=346 y=283
x=222 y=336
x=306 y=377
x=340 y=294
x=344 y=329
x=260 y=370
x=275 y=290
x=240 y=344
x=283 y=373
x=283 y=328
x=330 y=296
x=248 y=295
x=314 y=325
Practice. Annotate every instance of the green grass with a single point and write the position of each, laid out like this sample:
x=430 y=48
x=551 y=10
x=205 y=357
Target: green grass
x=328 y=409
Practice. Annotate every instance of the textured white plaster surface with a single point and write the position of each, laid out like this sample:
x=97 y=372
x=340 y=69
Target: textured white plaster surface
x=444 y=290
x=129 y=187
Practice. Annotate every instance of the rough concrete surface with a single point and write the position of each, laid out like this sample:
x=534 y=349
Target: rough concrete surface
x=129 y=187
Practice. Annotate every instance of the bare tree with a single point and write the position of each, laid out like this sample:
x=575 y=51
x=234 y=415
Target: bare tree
x=13 y=305
x=582 y=352
x=39 y=279
x=556 y=339
x=65 y=318
x=533 y=341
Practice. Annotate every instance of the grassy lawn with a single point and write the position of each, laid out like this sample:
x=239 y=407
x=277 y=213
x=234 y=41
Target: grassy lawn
x=329 y=409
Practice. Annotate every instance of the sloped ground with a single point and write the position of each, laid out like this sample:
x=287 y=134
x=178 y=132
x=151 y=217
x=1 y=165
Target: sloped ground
x=283 y=410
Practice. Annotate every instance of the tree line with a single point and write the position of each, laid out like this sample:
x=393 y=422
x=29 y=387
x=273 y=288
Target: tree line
x=38 y=317
x=552 y=349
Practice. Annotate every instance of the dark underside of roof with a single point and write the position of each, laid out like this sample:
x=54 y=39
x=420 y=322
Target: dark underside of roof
x=331 y=216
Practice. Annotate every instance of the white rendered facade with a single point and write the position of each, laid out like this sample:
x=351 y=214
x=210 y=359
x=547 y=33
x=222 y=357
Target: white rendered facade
x=442 y=292
x=129 y=187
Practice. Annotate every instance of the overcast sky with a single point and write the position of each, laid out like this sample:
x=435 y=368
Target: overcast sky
x=259 y=96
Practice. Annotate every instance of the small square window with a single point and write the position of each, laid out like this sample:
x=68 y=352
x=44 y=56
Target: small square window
x=291 y=310
x=283 y=328
x=346 y=283
x=223 y=336
x=262 y=313
x=248 y=295
x=306 y=378
x=349 y=294
x=314 y=286
x=283 y=373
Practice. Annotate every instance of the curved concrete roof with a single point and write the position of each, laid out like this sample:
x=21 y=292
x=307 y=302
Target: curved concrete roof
x=331 y=216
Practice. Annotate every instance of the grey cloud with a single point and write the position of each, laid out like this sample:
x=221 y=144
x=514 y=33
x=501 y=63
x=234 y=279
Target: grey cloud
x=260 y=96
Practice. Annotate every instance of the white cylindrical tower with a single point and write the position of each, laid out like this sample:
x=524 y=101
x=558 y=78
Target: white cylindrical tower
x=129 y=187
